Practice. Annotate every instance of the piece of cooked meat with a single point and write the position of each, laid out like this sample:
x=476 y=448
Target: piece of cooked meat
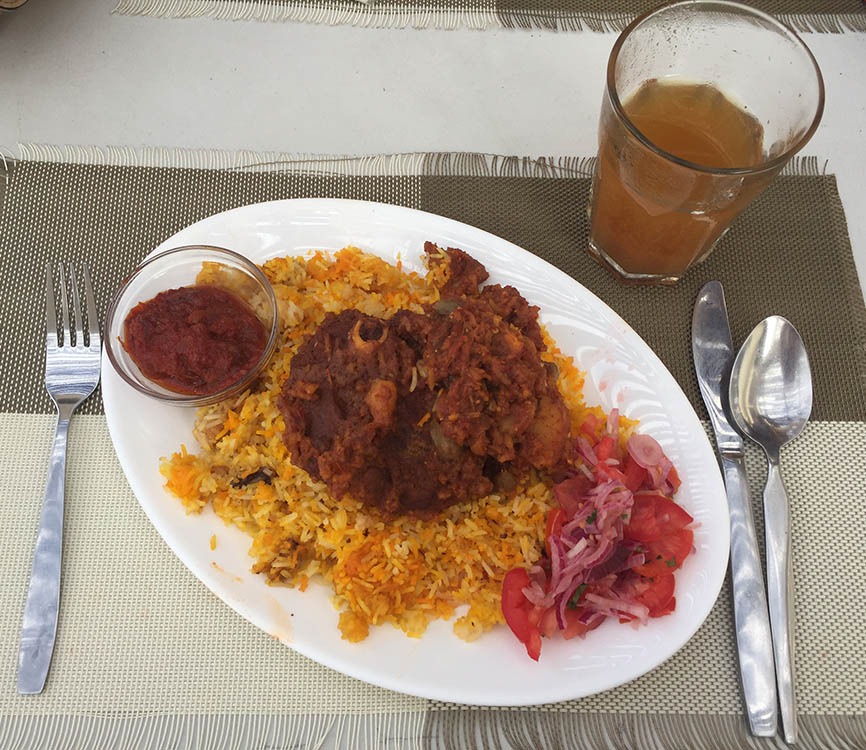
x=497 y=397
x=421 y=411
x=465 y=274
x=507 y=302
x=354 y=420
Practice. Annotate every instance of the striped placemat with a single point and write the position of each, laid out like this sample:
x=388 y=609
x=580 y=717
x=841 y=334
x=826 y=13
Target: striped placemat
x=147 y=657
x=832 y=16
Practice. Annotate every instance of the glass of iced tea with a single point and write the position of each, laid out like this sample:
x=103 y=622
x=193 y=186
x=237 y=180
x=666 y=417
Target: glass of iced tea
x=705 y=103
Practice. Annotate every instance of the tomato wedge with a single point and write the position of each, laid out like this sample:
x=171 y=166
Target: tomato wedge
x=574 y=627
x=674 y=479
x=590 y=427
x=635 y=474
x=514 y=604
x=533 y=645
x=604 y=449
x=569 y=493
x=667 y=554
x=522 y=617
x=547 y=624
x=603 y=472
x=658 y=598
x=653 y=517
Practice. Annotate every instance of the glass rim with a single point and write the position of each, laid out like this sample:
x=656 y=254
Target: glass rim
x=778 y=161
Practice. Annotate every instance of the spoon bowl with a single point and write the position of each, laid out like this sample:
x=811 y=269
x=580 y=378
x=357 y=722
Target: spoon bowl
x=771 y=384
x=770 y=399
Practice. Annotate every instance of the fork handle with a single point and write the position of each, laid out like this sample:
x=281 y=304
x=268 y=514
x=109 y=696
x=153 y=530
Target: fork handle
x=780 y=591
x=39 y=625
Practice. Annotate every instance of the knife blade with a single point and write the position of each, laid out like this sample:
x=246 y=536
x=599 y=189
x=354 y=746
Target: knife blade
x=713 y=355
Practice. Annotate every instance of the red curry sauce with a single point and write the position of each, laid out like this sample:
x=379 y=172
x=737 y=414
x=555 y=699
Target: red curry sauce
x=196 y=340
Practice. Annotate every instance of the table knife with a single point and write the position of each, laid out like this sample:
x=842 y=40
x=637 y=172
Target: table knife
x=713 y=354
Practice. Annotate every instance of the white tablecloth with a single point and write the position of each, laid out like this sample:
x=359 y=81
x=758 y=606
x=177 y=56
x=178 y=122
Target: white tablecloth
x=72 y=73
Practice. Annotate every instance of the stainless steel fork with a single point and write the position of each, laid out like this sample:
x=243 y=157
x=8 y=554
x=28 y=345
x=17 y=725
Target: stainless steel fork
x=71 y=375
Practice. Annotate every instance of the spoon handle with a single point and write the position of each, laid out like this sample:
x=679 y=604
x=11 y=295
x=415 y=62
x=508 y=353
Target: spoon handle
x=780 y=589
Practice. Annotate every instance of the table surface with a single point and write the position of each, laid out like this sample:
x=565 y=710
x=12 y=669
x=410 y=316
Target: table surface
x=73 y=73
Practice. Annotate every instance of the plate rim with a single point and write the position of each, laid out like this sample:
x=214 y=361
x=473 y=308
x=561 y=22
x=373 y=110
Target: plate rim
x=213 y=581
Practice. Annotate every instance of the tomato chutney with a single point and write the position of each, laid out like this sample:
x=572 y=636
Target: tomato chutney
x=196 y=340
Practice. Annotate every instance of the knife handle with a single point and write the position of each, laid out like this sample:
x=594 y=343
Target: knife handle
x=754 y=637
x=780 y=587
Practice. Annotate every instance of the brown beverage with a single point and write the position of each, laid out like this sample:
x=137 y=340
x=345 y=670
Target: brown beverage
x=652 y=215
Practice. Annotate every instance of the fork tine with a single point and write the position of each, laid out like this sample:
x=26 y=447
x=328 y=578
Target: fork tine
x=76 y=306
x=64 y=303
x=50 y=310
x=92 y=317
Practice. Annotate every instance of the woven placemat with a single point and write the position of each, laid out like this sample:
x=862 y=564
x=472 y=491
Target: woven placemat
x=833 y=16
x=147 y=657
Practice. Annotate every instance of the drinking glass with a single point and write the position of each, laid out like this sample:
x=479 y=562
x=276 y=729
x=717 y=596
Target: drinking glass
x=653 y=214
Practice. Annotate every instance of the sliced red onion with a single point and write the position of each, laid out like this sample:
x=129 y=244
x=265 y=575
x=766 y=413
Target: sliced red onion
x=592 y=555
x=659 y=474
x=618 y=504
x=534 y=594
x=563 y=602
x=581 y=514
x=612 y=607
x=589 y=618
x=537 y=575
x=585 y=470
x=596 y=552
x=586 y=450
x=575 y=567
x=577 y=549
x=645 y=450
x=565 y=581
x=605 y=586
x=615 y=563
x=556 y=555
x=600 y=492
x=574 y=531
x=613 y=422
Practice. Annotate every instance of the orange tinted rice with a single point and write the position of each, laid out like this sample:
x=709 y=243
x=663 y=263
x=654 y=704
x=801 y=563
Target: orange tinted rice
x=405 y=571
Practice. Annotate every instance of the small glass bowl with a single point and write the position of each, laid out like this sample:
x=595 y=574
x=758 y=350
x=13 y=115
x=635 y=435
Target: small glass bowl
x=176 y=268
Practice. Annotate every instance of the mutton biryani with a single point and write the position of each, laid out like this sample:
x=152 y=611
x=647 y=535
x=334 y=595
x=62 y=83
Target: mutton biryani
x=404 y=443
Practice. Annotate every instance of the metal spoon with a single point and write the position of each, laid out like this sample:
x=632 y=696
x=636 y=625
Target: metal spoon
x=771 y=400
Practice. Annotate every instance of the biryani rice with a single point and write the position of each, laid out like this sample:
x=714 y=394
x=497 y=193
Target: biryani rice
x=403 y=570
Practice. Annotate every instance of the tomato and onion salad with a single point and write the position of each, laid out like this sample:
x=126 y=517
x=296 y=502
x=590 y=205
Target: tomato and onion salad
x=612 y=542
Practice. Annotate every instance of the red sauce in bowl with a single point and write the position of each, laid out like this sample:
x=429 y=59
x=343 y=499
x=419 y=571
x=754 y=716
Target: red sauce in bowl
x=195 y=340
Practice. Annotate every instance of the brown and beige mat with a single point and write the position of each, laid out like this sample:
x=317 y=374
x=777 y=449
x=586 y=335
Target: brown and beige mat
x=832 y=16
x=147 y=658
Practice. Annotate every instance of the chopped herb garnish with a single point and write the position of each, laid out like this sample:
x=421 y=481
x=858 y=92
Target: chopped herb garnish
x=592 y=516
x=658 y=557
x=624 y=516
x=572 y=603
x=638 y=549
x=672 y=562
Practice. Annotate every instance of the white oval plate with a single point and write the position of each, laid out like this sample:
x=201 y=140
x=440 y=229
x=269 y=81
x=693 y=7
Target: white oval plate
x=622 y=372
